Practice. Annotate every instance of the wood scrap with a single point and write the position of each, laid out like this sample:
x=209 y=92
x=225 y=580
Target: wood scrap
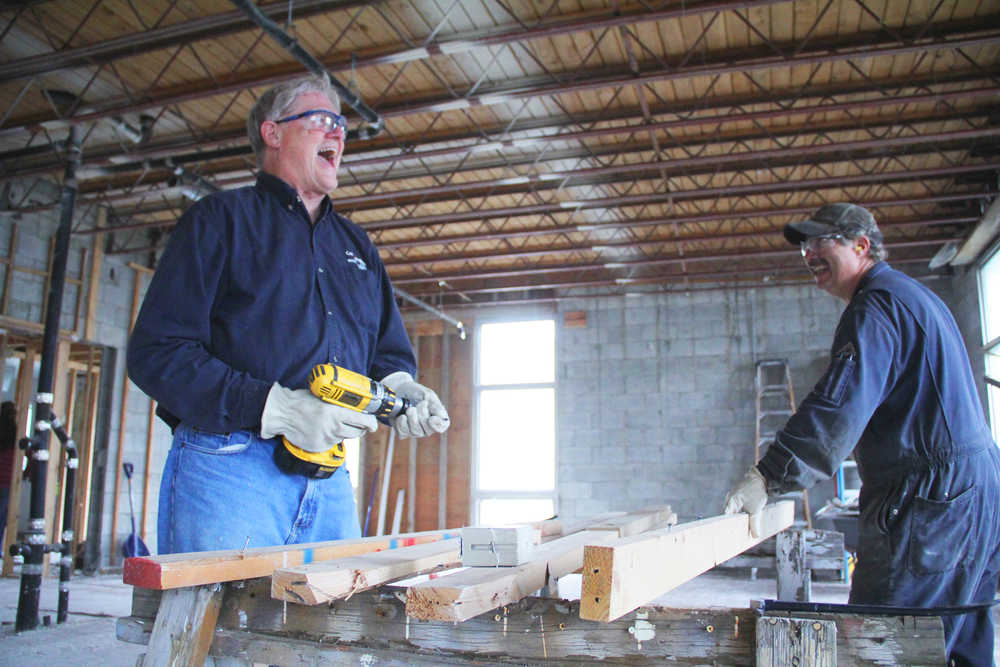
x=620 y=577
x=194 y=569
x=338 y=579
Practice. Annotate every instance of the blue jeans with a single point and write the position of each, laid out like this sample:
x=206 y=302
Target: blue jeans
x=221 y=489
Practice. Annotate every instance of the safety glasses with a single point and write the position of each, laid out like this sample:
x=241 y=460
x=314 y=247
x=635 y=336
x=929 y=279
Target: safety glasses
x=318 y=119
x=814 y=243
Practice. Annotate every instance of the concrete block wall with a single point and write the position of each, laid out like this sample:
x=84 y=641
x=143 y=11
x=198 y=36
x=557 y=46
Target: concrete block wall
x=655 y=395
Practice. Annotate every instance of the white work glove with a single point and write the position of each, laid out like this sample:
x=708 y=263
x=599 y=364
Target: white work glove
x=426 y=416
x=749 y=496
x=308 y=422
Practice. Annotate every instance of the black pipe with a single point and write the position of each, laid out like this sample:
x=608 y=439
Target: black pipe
x=34 y=547
x=375 y=122
x=766 y=606
x=66 y=545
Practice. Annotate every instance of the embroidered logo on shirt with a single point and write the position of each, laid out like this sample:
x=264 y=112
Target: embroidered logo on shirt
x=355 y=260
x=847 y=352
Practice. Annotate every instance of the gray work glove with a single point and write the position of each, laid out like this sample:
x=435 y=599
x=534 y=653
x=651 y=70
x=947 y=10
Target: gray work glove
x=308 y=422
x=749 y=496
x=427 y=415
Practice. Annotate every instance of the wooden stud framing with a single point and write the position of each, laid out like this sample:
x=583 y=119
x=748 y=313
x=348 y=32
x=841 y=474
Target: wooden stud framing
x=24 y=394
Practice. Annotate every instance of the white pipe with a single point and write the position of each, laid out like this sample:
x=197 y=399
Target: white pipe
x=397 y=516
x=383 y=499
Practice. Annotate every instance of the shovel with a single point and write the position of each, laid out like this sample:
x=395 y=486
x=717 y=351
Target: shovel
x=133 y=545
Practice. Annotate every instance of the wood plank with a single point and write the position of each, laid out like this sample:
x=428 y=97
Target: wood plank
x=194 y=569
x=184 y=627
x=532 y=631
x=796 y=641
x=619 y=577
x=473 y=591
x=336 y=579
x=638 y=521
x=794 y=579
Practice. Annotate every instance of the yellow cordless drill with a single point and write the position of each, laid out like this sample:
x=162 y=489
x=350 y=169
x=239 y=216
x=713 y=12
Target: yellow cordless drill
x=347 y=389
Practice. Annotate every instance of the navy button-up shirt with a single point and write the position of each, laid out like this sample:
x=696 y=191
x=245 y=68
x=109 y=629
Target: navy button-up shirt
x=249 y=292
x=899 y=386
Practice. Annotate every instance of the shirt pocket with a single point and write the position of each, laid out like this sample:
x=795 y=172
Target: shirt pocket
x=209 y=442
x=833 y=385
x=939 y=533
x=360 y=298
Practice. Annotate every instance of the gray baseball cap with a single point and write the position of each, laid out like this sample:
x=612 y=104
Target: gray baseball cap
x=848 y=219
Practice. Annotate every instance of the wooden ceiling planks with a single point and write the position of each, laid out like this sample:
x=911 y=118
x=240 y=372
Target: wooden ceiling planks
x=468 y=208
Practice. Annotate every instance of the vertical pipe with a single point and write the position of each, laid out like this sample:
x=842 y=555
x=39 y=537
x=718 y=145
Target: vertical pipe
x=66 y=542
x=443 y=457
x=384 y=497
x=34 y=549
x=411 y=478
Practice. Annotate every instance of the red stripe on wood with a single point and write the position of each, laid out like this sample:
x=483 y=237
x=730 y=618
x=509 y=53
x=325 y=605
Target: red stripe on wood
x=142 y=572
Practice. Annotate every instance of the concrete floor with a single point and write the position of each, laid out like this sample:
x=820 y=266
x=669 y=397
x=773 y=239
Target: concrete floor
x=88 y=638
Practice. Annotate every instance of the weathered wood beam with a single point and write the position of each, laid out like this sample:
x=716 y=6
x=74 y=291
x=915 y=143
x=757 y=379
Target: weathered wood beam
x=184 y=627
x=619 y=577
x=336 y=579
x=464 y=594
x=259 y=629
x=195 y=569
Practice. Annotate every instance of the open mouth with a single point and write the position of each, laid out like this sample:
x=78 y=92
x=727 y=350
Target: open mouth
x=330 y=155
x=817 y=267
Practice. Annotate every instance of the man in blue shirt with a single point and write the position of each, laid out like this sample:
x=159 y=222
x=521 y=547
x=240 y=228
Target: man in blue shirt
x=257 y=286
x=899 y=392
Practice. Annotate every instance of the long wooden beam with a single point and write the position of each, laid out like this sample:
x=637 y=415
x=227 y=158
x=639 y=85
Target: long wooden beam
x=620 y=577
x=343 y=577
x=207 y=567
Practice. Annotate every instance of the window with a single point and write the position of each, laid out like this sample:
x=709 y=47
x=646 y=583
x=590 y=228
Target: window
x=514 y=469
x=989 y=299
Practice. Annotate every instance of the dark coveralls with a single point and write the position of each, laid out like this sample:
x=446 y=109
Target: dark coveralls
x=900 y=388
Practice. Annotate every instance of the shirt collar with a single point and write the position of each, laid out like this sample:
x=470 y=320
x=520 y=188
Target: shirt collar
x=879 y=268
x=285 y=193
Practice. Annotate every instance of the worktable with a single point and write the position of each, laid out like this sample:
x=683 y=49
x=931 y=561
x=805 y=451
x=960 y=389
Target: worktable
x=371 y=627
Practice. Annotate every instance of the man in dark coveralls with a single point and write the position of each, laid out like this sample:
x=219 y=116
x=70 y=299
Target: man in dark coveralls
x=900 y=388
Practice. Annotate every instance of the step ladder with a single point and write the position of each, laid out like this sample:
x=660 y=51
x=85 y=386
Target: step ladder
x=775 y=402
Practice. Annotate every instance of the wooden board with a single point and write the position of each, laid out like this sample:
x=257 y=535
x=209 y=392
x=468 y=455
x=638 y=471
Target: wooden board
x=473 y=591
x=194 y=569
x=184 y=627
x=620 y=577
x=343 y=577
x=259 y=629
x=796 y=641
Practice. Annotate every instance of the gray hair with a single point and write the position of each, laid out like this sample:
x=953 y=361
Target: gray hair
x=276 y=100
x=876 y=250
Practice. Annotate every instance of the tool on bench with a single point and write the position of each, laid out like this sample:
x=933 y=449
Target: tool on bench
x=347 y=389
